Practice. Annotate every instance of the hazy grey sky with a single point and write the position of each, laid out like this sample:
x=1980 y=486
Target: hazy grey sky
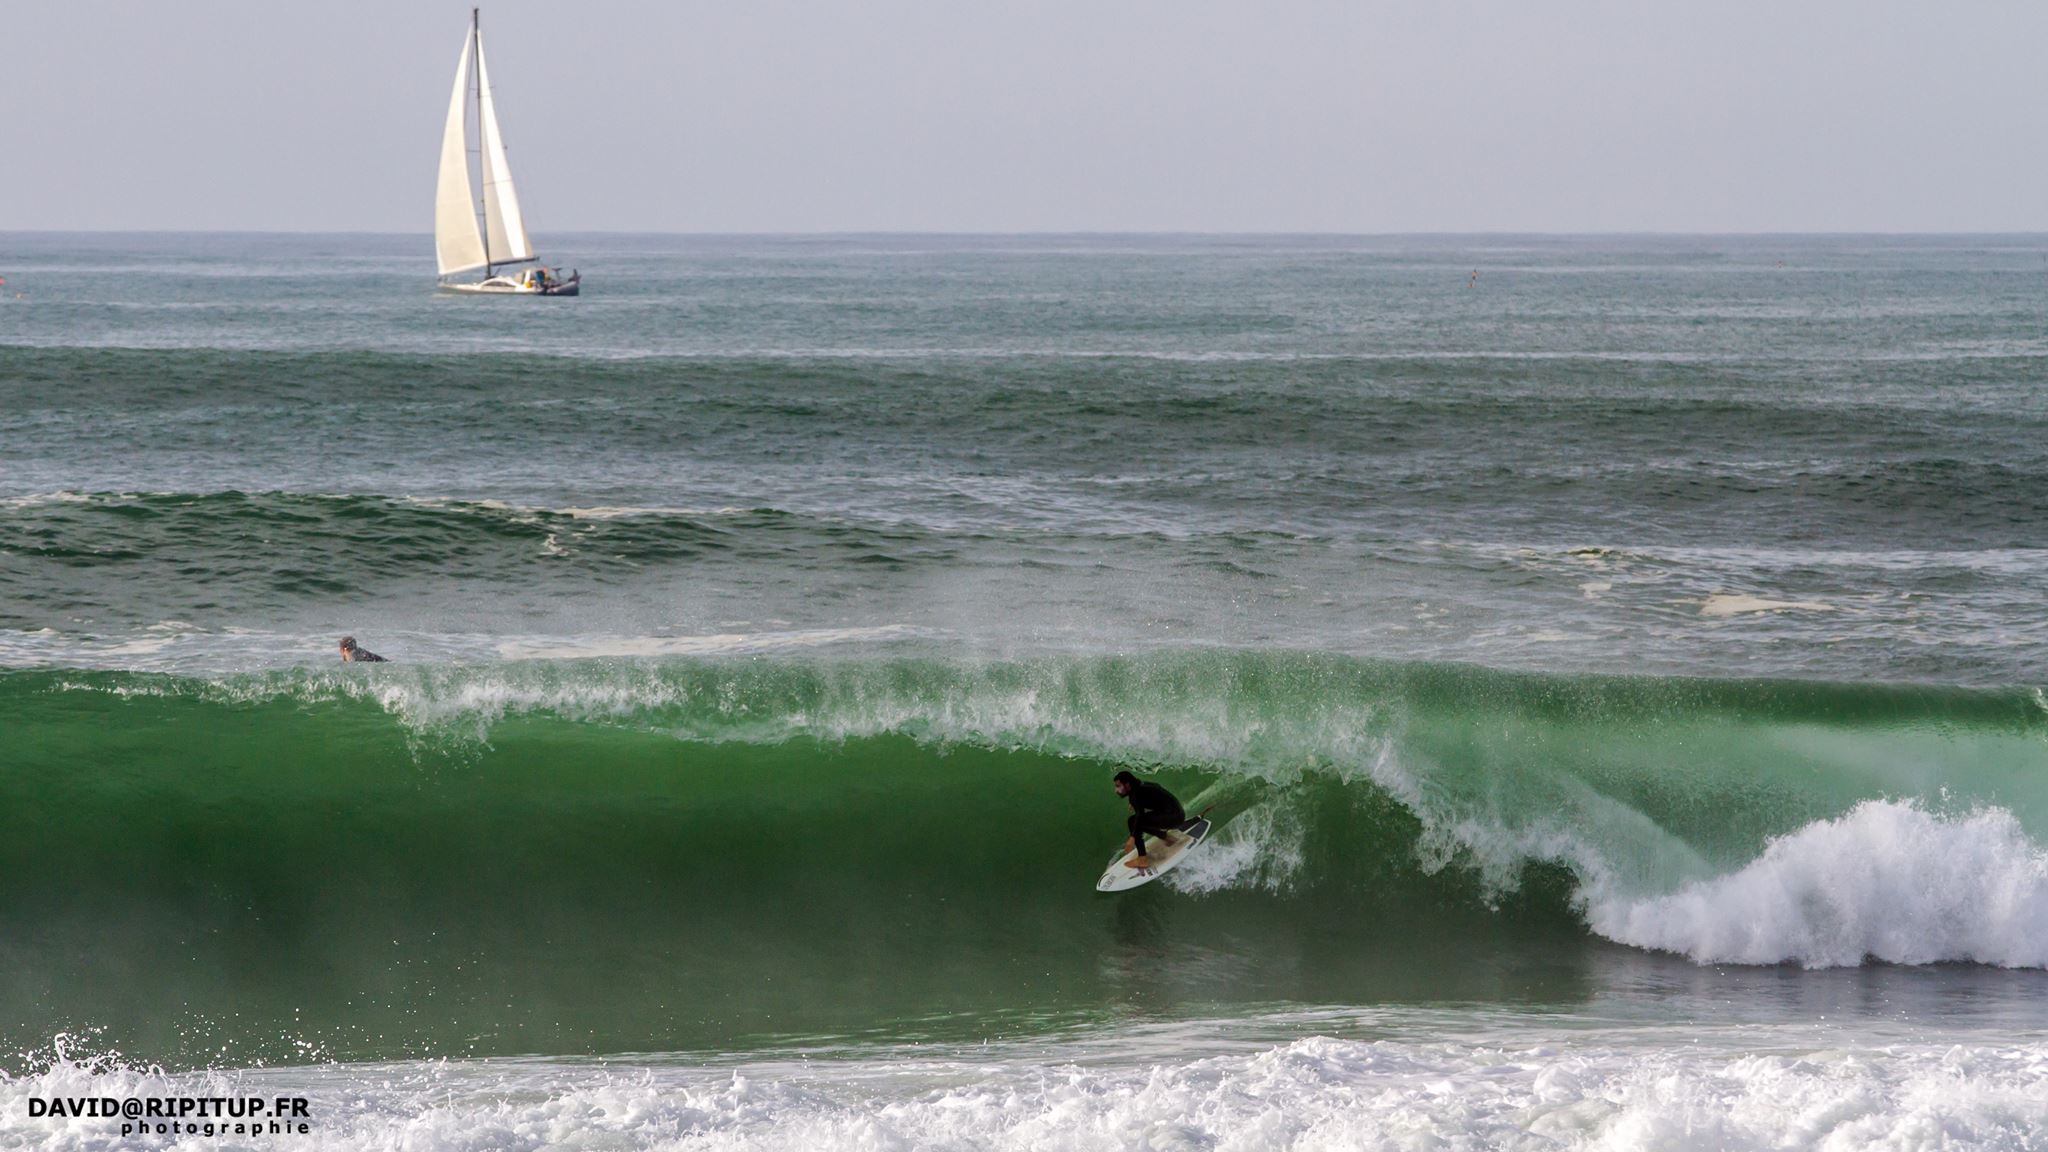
x=1060 y=115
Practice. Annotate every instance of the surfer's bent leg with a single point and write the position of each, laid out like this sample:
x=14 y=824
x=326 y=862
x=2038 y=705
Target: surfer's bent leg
x=1141 y=825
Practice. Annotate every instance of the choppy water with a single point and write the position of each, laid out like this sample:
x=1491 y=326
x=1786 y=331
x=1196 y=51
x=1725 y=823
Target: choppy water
x=1616 y=675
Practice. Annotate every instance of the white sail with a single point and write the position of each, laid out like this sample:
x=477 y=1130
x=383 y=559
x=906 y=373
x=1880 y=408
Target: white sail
x=506 y=226
x=458 y=246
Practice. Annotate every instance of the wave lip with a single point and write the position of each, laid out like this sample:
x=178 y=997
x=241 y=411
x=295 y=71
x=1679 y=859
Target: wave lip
x=1887 y=880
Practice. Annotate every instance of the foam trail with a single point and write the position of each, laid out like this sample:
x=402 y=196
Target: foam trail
x=1887 y=880
x=1261 y=847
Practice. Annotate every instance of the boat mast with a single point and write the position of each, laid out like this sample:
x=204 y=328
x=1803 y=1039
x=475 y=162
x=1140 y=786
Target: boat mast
x=476 y=36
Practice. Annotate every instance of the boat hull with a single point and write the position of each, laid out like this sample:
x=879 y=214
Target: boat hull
x=500 y=286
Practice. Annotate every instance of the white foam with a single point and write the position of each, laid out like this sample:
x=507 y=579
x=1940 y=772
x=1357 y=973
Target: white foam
x=1887 y=880
x=37 y=499
x=1735 y=604
x=49 y=646
x=619 y=512
x=1261 y=847
x=181 y=647
x=1529 y=1089
x=574 y=512
x=716 y=644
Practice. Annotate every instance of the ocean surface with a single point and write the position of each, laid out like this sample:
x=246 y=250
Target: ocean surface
x=1615 y=666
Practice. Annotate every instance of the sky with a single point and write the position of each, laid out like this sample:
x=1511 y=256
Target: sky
x=1055 y=115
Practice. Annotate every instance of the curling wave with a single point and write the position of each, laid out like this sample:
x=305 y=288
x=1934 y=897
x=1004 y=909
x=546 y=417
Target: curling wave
x=1752 y=822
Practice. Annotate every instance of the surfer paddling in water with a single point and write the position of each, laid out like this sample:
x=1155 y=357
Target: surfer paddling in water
x=353 y=653
x=1153 y=810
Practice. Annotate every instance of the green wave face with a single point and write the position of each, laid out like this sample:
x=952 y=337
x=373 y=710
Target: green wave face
x=602 y=857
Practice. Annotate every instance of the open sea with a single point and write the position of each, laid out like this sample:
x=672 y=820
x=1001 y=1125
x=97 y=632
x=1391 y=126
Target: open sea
x=1616 y=666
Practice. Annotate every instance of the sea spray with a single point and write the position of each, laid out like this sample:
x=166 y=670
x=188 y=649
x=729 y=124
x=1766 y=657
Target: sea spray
x=1886 y=881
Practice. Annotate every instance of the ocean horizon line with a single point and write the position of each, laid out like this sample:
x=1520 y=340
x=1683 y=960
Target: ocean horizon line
x=1618 y=234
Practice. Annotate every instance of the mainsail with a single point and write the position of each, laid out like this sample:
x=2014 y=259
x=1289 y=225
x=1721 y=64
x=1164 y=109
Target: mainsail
x=506 y=227
x=458 y=246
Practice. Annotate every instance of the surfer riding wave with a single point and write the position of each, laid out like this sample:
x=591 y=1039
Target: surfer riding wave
x=1154 y=811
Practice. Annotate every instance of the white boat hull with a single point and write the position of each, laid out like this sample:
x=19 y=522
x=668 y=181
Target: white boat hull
x=506 y=286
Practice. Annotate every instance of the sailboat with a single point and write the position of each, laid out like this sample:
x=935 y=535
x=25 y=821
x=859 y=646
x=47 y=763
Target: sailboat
x=487 y=234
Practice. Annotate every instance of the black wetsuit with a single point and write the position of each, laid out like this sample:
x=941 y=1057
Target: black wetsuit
x=1153 y=810
x=361 y=655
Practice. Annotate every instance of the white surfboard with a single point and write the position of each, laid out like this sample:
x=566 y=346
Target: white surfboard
x=1120 y=876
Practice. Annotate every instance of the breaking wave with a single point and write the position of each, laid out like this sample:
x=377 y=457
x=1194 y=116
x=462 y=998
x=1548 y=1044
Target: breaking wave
x=1746 y=822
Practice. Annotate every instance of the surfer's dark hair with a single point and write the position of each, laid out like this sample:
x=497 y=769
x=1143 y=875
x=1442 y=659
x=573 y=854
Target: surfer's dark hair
x=1124 y=777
